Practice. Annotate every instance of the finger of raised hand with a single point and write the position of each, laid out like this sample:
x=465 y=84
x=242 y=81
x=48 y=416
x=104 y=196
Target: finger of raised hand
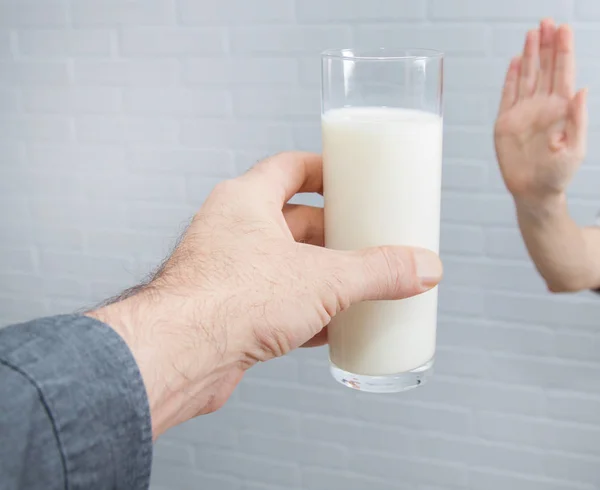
x=511 y=85
x=564 y=63
x=529 y=64
x=545 y=78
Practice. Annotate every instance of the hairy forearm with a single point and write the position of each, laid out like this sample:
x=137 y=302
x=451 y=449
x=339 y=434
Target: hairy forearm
x=566 y=255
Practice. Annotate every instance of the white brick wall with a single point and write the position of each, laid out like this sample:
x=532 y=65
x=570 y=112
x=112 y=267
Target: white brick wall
x=117 y=117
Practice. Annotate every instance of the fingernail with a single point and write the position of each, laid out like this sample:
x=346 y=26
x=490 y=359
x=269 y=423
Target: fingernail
x=429 y=267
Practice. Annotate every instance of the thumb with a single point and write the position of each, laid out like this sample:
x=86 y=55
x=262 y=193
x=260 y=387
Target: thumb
x=576 y=130
x=388 y=273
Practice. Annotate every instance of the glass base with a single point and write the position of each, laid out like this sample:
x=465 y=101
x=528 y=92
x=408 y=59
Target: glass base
x=393 y=383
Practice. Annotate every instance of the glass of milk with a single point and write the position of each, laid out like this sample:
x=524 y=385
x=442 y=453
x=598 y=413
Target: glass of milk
x=382 y=162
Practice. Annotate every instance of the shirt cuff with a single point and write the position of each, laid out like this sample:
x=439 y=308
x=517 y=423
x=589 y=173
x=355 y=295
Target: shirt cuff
x=94 y=394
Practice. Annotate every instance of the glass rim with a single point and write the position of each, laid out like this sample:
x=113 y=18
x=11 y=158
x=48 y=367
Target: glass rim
x=382 y=54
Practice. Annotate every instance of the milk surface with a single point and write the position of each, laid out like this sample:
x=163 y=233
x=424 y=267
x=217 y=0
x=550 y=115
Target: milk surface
x=382 y=185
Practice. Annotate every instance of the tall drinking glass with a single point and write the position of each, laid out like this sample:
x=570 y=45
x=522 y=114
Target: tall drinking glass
x=382 y=160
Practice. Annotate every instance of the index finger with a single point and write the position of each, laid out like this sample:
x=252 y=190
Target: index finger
x=286 y=174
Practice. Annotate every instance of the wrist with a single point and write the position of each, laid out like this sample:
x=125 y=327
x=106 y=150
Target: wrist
x=539 y=209
x=179 y=360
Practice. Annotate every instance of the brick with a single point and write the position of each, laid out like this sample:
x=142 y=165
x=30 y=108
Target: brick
x=239 y=71
x=127 y=244
x=464 y=300
x=19 y=73
x=569 y=406
x=78 y=159
x=206 y=163
x=494 y=275
x=20 y=310
x=35 y=128
x=587 y=10
x=165 y=476
x=86 y=100
x=144 y=188
x=62 y=43
x=252 y=468
x=585 y=183
x=471 y=74
x=415 y=416
x=508 y=41
x=111 y=12
x=494 y=336
x=319 y=479
x=30 y=13
x=288 y=40
x=66 y=291
x=273 y=103
x=463 y=239
x=20 y=285
x=17 y=260
x=314 y=371
x=406 y=470
x=468 y=143
x=246 y=159
x=462 y=362
x=463 y=175
x=309 y=69
x=543 y=434
x=177 y=102
x=483 y=395
x=198 y=188
x=236 y=12
x=42 y=185
x=308 y=400
x=455 y=40
x=509 y=10
x=172 y=453
x=547 y=373
x=12 y=155
x=497 y=480
x=5 y=44
x=52 y=237
x=573 y=468
x=9 y=100
x=282 y=369
x=74 y=211
x=83 y=266
x=307 y=136
x=306 y=453
x=138 y=73
x=170 y=41
x=540 y=310
x=355 y=10
x=211 y=432
x=466 y=109
x=236 y=135
x=577 y=346
x=505 y=243
x=172 y=218
x=262 y=420
x=104 y=129
x=478 y=209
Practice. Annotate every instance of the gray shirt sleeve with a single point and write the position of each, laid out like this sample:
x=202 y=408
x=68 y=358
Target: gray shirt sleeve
x=73 y=408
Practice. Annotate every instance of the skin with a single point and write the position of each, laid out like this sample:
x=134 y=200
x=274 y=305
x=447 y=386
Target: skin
x=540 y=138
x=250 y=281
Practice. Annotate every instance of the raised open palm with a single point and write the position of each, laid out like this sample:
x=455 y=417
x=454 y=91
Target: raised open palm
x=541 y=129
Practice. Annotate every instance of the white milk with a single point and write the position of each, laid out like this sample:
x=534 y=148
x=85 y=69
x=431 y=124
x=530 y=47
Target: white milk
x=382 y=183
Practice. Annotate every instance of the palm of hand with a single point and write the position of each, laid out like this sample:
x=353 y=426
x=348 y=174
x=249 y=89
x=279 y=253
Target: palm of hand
x=540 y=129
